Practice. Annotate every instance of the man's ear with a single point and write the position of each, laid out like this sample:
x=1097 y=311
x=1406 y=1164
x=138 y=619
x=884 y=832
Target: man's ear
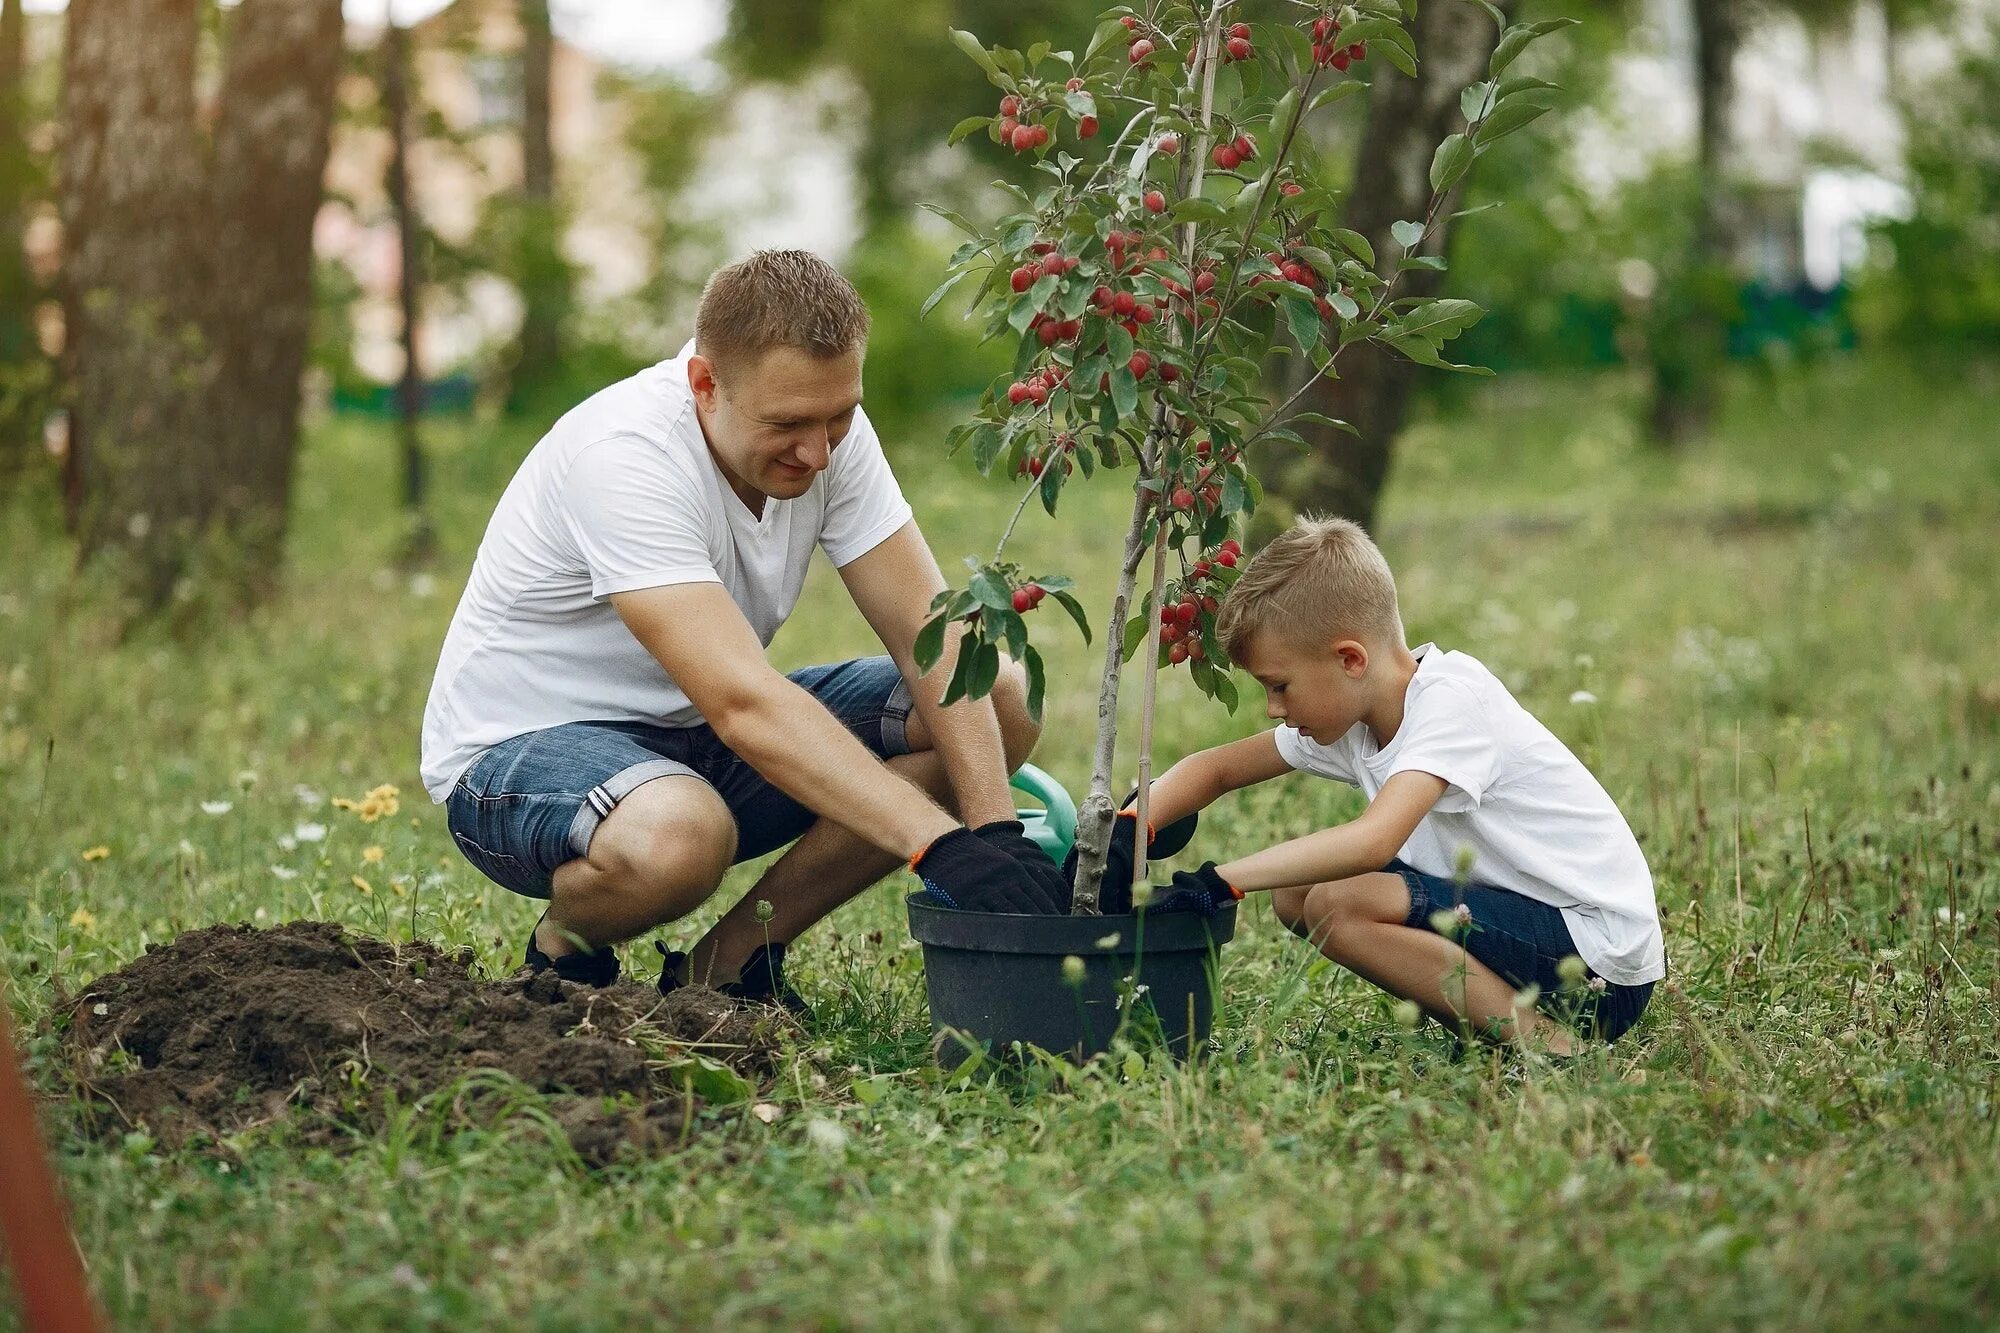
x=1352 y=655
x=701 y=379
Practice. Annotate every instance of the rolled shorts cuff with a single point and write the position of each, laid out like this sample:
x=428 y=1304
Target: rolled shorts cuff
x=601 y=800
x=896 y=719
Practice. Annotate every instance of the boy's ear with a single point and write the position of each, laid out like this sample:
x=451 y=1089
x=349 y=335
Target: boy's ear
x=1352 y=655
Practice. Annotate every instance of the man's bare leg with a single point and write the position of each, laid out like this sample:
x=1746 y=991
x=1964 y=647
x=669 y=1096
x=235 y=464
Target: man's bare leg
x=826 y=867
x=658 y=855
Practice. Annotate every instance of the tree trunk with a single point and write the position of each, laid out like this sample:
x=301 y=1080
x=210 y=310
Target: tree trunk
x=543 y=274
x=409 y=284
x=1407 y=119
x=1689 y=348
x=21 y=373
x=190 y=281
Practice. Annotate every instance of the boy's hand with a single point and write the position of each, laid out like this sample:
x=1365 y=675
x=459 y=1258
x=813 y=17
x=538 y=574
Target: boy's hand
x=962 y=870
x=1116 y=895
x=1201 y=891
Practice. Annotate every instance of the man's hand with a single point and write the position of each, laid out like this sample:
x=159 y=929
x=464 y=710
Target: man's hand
x=1009 y=836
x=963 y=870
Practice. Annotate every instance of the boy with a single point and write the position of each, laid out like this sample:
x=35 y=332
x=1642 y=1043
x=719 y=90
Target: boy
x=1480 y=823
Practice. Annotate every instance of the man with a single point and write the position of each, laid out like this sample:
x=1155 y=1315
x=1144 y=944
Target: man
x=604 y=728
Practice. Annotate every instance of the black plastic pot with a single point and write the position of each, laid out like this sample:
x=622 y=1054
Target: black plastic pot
x=996 y=978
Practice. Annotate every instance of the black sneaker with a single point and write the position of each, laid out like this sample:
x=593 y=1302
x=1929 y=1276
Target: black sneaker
x=763 y=981
x=597 y=968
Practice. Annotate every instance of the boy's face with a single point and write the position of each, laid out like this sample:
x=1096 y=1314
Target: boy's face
x=1320 y=691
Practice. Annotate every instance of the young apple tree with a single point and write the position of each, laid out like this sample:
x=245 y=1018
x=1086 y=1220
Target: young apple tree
x=1172 y=203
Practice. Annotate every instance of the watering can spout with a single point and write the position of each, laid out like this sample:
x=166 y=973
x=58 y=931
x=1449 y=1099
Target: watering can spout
x=1053 y=827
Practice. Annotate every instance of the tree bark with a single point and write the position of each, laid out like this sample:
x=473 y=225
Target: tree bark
x=189 y=278
x=409 y=285
x=544 y=277
x=1342 y=474
x=1689 y=350
x=20 y=393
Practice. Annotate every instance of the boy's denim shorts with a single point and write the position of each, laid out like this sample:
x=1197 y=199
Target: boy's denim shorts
x=531 y=803
x=1525 y=941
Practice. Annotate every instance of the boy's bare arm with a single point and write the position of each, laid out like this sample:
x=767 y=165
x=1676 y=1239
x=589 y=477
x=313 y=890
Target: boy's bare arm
x=1198 y=780
x=1367 y=843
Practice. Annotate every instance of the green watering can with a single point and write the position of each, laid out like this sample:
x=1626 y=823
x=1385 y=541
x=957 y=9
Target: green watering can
x=1053 y=827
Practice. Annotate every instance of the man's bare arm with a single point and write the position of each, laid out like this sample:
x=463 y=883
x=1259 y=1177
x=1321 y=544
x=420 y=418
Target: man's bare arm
x=893 y=586
x=700 y=636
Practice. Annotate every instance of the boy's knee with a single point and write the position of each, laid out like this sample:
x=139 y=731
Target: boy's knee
x=1290 y=907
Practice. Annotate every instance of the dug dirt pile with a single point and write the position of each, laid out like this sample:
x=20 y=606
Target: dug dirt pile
x=231 y=1027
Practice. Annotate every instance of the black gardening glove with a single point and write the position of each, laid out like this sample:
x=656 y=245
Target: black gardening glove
x=963 y=870
x=1201 y=891
x=1116 y=895
x=1010 y=836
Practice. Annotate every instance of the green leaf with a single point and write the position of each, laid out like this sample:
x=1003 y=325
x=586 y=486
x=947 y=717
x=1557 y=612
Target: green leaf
x=1499 y=19
x=985 y=447
x=992 y=590
x=1343 y=305
x=1118 y=345
x=930 y=642
x=1038 y=685
x=1515 y=40
x=969 y=44
x=710 y=1080
x=1321 y=419
x=954 y=219
x=1074 y=607
x=1439 y=321
x=970 y=125
x=1386 y=31
x=1197 y=208
x=1282 y=116
x=1508 y=117
x=1409 y=235
x=1355 y=244
x=1225 y=690
x=1104 y=32
x=1401 y=59
x=985 y=669
x=1435 y=263
x=1421 y=352
x=1338 y=92
x=930 y=302
x=1525 y=83
x=1472 y=103
x=1080 y=104
x=1449 y=164
x=1124 y=391
x=1303 y=317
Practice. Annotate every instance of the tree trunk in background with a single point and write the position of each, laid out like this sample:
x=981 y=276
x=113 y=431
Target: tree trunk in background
x=410 y=389
x=21 y=373
x=1407 y=119
x=1689 y=349
x=189 y=280
x=544 y=276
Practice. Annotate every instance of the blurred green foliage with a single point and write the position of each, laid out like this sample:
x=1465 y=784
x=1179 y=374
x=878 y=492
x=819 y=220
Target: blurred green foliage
x=1935 y=277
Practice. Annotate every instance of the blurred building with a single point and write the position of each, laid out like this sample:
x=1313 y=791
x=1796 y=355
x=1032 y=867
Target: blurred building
x=465 y=152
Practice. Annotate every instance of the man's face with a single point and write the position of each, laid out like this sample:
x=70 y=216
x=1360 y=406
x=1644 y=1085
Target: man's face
x=1319 y=691
x=773 y=423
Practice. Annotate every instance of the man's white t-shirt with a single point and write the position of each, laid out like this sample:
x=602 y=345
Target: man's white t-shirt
x=623 y=494
x=1535 y=819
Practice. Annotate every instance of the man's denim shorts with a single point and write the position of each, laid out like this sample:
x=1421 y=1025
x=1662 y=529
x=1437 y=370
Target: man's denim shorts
x=531 y=803
x=1525 y=941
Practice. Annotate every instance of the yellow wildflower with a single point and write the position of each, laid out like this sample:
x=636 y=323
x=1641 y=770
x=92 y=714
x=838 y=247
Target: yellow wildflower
x=372 y=855
x=97 y=853
x=83 y=919
x=362 y=884
x=379 y=803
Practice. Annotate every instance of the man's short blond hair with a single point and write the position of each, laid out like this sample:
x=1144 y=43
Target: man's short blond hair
x=777 y=298
x=1322 y=580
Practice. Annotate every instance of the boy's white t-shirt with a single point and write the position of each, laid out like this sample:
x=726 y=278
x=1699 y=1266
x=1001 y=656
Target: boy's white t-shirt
x=623 y=494
x=1535 y=819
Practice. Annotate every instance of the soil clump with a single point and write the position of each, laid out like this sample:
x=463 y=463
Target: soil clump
x=231 y=1027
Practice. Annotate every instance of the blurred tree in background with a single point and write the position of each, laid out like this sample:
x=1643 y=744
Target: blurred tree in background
x=189 y=279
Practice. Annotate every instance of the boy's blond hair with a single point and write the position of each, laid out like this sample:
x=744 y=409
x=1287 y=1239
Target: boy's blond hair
x=777 y=298
x=1321 y=580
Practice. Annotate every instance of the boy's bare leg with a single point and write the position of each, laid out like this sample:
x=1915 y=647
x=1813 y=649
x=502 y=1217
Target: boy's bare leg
x=1358 y=923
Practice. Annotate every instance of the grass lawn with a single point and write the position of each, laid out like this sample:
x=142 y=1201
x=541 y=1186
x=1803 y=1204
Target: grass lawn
x=1780 y=652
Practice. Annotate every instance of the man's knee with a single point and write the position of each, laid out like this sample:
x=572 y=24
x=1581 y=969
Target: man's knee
x=671 y=840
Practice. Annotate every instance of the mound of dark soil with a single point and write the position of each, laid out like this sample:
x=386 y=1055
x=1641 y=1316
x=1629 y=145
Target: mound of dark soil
x=230 y=1027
